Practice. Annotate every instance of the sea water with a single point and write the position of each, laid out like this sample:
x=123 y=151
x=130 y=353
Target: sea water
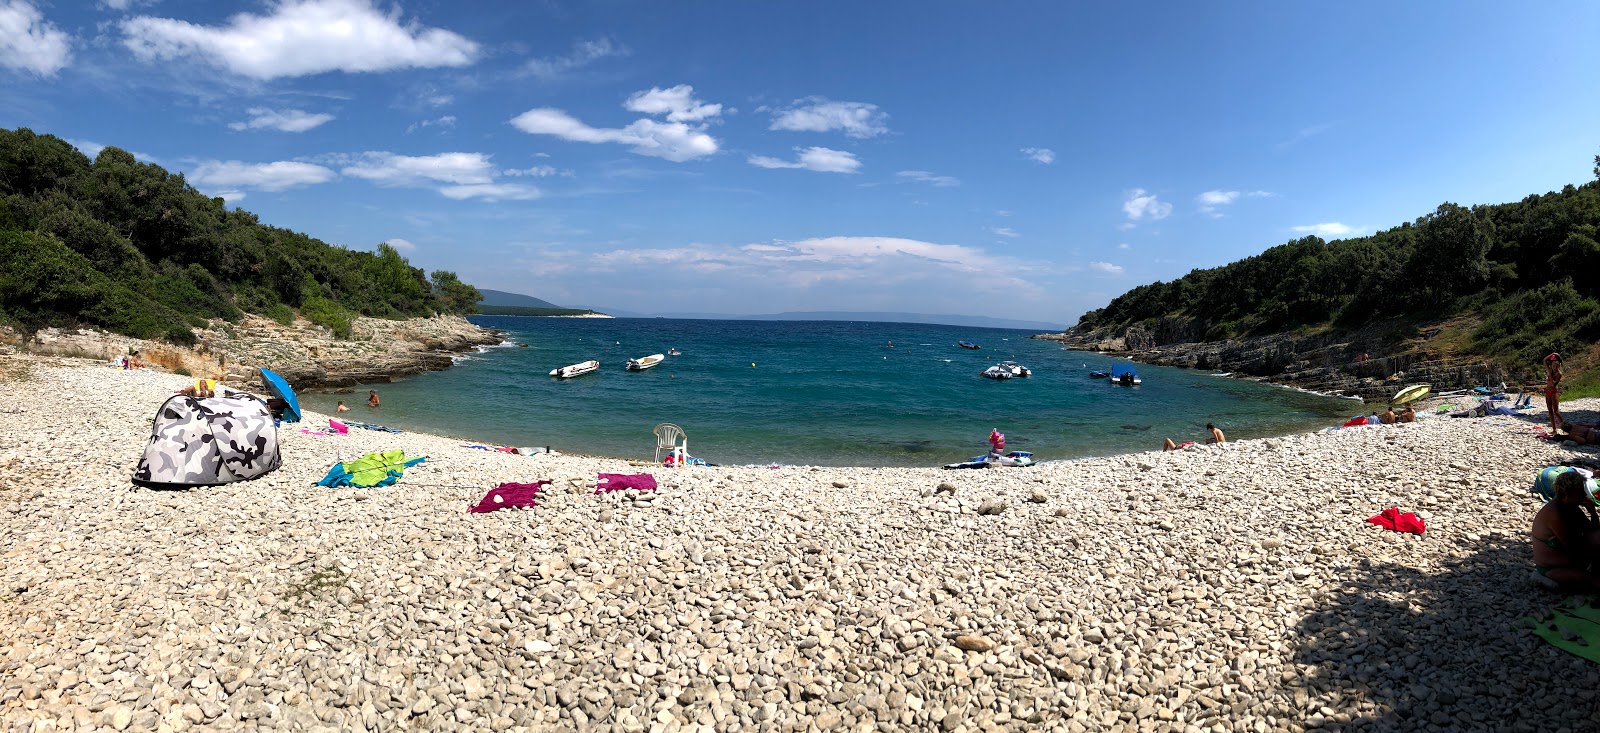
x=818 y=393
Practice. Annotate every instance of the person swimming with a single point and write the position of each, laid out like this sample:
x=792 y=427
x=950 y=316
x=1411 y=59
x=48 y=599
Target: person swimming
x=372 y=398
x=341 y=407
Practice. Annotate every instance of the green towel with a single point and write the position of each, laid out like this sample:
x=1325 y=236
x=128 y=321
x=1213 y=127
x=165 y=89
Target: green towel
x=1583 y=621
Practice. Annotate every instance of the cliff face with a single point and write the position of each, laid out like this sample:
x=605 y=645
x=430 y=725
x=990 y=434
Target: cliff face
x=305 y=354
x=1370 y=362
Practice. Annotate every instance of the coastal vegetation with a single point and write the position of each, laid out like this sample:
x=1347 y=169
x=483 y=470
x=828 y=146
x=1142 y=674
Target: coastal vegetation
x=134 y=249
x=1520 y=273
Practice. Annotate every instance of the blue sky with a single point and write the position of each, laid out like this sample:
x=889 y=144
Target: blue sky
x=1025 y=159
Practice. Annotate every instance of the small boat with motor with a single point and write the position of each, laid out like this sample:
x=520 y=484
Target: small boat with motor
x=995 y=371
x=644 y=362
x=1098 y=374
x=1017 y=370
x=575 y=370
x=674 y=352
x=968 y=345
x=1125 y=376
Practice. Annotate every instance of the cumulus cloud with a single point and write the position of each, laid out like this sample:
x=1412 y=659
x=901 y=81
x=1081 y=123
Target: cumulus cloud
x=1140 y=204
x=583 y=53
x=1040 y=155
x=492 y=192
x=302 y=38
x=232 y=175
x=1106 y=267
x=676 y=139
x=287 y=120
x=388 y=169
x=677 y=103
x=401 y=244
x=929 y=178
x=817 y=114
x=1005 y=232
x=1327 y=229
x=821 y=160
x=30 y=43
x=445 y=121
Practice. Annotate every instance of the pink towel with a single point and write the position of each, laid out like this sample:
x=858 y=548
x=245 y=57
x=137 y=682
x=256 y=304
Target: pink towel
x=510 y=495
x=620 y=481
x=338 y=427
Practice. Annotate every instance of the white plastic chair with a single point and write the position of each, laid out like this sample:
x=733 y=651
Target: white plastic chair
x=670 y=438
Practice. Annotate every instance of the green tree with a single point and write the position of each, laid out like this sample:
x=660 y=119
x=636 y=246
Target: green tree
x=453 y=295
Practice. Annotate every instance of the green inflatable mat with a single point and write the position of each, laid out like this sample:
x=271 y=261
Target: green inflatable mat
x=1582 y=622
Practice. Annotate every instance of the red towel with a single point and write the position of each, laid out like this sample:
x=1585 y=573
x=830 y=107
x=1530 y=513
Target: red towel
x=510 y=495
x=1392 y=518
x=619 y=481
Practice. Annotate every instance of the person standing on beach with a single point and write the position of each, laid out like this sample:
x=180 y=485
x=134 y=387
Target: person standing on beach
x=372 y=398
x=1552 y=389
x=1216 y=435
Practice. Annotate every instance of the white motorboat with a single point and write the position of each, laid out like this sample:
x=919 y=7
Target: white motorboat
x=1017 y=370
x=574 y=370
x=997 y=372
x=643 y=363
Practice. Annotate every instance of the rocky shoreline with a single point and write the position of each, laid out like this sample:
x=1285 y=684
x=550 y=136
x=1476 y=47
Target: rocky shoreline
x=1368 y=363
x=1232 y=588
x=306 y=354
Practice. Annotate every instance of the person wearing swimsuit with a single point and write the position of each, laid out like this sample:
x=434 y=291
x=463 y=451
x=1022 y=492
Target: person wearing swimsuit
x=1552 y=389
x=1566 y=533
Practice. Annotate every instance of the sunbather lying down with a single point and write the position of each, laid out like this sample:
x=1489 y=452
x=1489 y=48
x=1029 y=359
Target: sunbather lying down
x=1580 y=434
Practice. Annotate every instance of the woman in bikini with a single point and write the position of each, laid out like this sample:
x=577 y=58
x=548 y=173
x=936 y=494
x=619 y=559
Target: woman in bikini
x=1552 y=389
x=1566 y=533
x=1580 y=434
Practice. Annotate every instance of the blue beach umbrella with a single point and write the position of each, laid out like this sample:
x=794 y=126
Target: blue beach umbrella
x=282 y=391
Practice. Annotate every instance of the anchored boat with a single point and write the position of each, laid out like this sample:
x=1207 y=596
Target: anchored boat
x=1125 y=376
x=1007 y=370
x=643 y=363
x=575 y=370
x=968 y=345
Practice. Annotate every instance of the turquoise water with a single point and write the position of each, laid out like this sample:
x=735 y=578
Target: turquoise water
x=819 y=393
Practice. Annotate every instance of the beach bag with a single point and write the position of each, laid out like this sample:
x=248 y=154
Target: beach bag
x=204 y=442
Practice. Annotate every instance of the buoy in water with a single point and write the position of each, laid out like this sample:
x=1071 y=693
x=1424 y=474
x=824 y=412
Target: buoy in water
x=752 y=363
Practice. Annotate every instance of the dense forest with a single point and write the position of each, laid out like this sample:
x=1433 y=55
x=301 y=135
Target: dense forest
x=131 y=248
x=1528 y=272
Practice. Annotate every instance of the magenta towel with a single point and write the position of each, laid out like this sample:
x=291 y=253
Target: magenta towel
x=621 y=481
x=510 y=495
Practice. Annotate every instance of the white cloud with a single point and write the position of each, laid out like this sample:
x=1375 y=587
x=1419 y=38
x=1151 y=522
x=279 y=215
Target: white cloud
x=1261 y=194
x=445 y=121
x=287 y=120
x=492 y=192
x=929 y=178
x=87 y=147
x=1210 y=201
x=231 y=196
x=1002 y=212
x=676 y=141
x=817 y=114
x=1106 y=267
x=302 y=38
x=30 y=43
x=583 y=54
x=1140 y=204
x=1123 y=245
x=677 y=103
x=821 y=160
x=1125 y=226
x=388 y=169
x=1327 y=229
x=232 y=175
x=401 y=244
x=1040 y=155
x=1005 y=232
x=538 y=171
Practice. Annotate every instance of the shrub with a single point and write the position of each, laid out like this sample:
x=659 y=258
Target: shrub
x=326 y=313
x=281 y=313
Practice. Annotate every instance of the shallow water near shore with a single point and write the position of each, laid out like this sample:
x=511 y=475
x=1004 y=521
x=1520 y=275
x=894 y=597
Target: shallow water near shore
x=818 y=393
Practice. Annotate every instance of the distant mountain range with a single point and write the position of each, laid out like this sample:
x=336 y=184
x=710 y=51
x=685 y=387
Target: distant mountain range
x=501 y=297
x=878 y=316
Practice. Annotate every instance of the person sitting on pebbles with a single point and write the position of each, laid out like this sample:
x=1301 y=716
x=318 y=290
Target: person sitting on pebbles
x=1217 y=437
x=1566 y=534
x=1388 y=417
x=1409 y=414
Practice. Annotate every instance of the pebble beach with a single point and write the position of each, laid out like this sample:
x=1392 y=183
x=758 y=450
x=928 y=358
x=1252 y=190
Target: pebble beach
x=1228 y=588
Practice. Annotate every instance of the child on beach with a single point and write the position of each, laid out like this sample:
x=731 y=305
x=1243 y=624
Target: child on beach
x=1566 y=533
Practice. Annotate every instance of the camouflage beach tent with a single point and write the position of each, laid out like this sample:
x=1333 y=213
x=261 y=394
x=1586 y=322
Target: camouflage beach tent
x=203 y=442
